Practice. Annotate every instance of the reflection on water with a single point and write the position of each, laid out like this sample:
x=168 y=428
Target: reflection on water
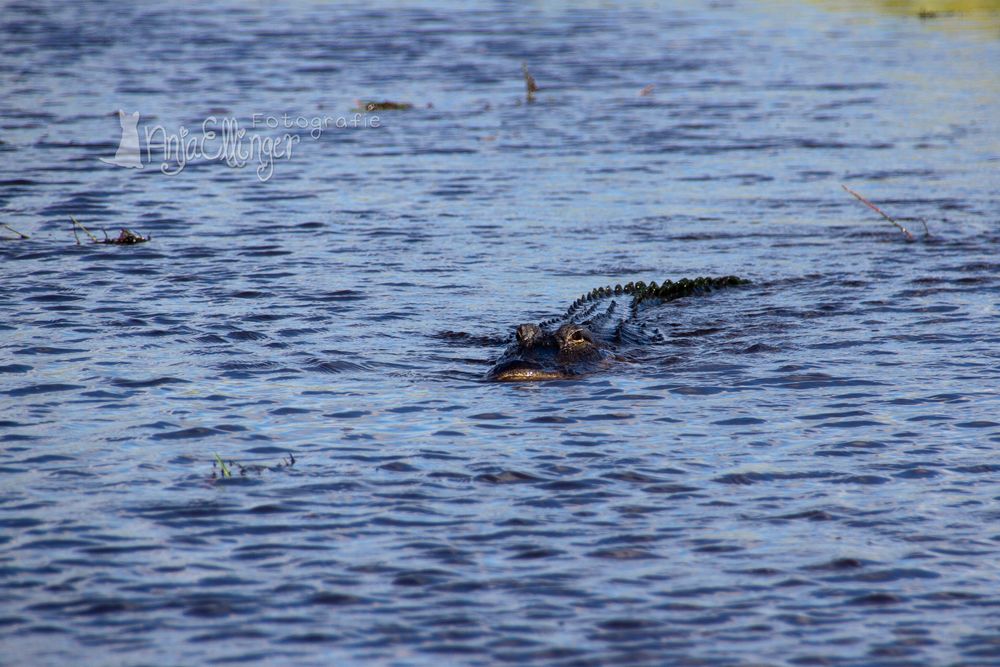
x=803 y=472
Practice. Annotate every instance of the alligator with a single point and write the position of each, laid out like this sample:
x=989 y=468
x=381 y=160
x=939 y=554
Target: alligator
x=382 y=106
x=594 y=331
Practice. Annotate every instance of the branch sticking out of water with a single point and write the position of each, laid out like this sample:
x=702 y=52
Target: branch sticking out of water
x=9 y=228
x=529 y=82
x=885 y=215
x=222 y=465
x=76 y=223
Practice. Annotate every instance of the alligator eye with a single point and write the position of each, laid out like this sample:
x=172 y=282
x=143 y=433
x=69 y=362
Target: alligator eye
x=526 y=334
x=577 y=336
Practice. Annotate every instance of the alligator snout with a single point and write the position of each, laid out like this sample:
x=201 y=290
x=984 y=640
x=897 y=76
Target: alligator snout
x=524 y=371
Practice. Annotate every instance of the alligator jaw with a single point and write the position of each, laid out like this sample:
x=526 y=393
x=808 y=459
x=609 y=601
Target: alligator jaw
x=523 y=371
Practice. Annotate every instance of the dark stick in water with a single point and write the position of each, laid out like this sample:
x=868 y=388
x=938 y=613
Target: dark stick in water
x=8 y=227
x=881 y=212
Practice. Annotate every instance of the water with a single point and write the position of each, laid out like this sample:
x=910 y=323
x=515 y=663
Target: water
x=805 y=474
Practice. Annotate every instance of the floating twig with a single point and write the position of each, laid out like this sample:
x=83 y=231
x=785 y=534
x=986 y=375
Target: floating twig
x=529 y=82
x=9 y=228
x=647 y=90
x=880 y=212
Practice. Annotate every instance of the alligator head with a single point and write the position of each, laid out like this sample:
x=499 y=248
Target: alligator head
x=594 y=330
x=537 y=354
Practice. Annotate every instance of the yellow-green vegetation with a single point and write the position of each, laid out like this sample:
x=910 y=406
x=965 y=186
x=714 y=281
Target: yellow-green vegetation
x=927 y=9
x=11 y=229
x=970 y=14
x=222 y=465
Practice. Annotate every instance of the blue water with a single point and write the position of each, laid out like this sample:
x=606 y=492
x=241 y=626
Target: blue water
x=805 y=473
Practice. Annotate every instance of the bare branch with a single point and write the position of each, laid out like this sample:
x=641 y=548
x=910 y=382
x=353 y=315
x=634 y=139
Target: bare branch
x=9 y=228
x=76 y=223
x=880 y=212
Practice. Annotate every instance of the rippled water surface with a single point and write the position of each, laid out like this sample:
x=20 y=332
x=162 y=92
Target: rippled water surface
x=804 y=472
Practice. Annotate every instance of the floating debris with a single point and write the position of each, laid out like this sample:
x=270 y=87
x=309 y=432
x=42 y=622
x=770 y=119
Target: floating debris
x=885 y=215
x=647 y=90
x=125 y=237
x=11 y=229
x=223 y=471
x=529 y=83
